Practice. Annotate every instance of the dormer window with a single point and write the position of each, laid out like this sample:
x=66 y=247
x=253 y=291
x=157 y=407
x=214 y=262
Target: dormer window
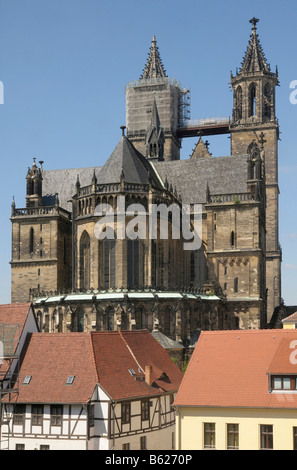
x=283 y=383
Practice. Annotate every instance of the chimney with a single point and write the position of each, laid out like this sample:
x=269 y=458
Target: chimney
x=148 y=375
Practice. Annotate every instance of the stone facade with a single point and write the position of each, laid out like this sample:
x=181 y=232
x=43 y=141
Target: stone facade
x=78 y=281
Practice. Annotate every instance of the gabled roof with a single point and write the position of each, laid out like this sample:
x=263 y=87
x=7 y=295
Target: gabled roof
x=116 y=352
x=290 y=318
x=154 y=67
x=97 y=357
x=50 y=358
x=231 y=369
x=13 y=318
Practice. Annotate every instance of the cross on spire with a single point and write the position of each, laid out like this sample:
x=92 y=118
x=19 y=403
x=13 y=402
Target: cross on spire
x=254 y=21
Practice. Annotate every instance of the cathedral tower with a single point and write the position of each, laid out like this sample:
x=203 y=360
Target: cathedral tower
x=155 y=89
x=255 y=124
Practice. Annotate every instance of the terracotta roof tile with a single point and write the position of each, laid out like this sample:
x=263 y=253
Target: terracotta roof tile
x=116 y=352
x=12 y=315
x=104 y=357
x=230 y=369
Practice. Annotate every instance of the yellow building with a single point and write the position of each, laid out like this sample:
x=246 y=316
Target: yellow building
x=290 y=322
x=239 y=392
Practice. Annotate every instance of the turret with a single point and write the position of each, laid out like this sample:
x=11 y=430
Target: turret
x=34 y=185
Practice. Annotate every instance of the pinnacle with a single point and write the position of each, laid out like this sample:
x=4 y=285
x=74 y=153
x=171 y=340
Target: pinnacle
x=254 y=59
x=154 y=67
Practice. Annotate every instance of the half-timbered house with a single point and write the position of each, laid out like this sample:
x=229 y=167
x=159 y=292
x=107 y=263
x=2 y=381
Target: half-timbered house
x=93 y=391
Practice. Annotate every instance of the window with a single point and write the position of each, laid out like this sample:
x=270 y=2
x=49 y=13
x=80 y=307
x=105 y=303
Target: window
x=133 y=263
x=37 y=415
x=31 y=241
x=56 y=415
x=169 y=321
x=145 y=410
x=267 y=101
x=252 y=100
x=19 y=415
x=232 y=238
x=70 y=380
x=238 y=104
x=236 y=285
x=126 y=446
x=84 y=259
x=110 y=318
x=284 y=383
x=126 y=413
x=108 y=261
x=44 y=447
x=232 y=436
x=192 y=268
x=266 y=436
x=20 y=447
x=209 y=436
x=143 y=443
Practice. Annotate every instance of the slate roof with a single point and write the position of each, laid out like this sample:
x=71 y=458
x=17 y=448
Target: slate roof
x=126 y=160
x=189 y=177
x=224 y=175
x=231 y=369
x=97 y=357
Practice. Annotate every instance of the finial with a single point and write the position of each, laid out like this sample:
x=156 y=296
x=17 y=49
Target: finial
x=123 y=130
x=77 y=184
x=254 y=21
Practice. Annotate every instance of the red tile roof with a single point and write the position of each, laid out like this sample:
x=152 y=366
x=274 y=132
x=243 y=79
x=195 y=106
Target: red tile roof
x=230 y=369
x=13 y=314
x=50 y=358
x=104 y=357
x=116 y=352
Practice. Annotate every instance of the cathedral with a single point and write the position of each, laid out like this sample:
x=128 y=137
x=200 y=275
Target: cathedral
x=79 y=280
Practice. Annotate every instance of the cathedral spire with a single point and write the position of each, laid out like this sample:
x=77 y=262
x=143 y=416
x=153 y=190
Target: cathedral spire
x=154 y=67
x=254 y=59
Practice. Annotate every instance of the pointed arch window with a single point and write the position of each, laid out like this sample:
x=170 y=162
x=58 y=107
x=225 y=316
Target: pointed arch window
x=169 y=318
x=31 y=241
x=78 y=321
x=267 y=101
x=107 y=262
x=133 y=263
x=238 y=103
x=85 y=261
x=110 y=318
x=154 y=264
x=236 y=285
x=232 y=239
x=252 y=100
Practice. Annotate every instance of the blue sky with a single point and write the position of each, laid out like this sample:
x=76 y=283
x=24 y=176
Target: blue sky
x=64 y=66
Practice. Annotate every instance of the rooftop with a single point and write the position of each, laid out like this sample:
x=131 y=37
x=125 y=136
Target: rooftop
x=232 y=368
x=98 y=357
